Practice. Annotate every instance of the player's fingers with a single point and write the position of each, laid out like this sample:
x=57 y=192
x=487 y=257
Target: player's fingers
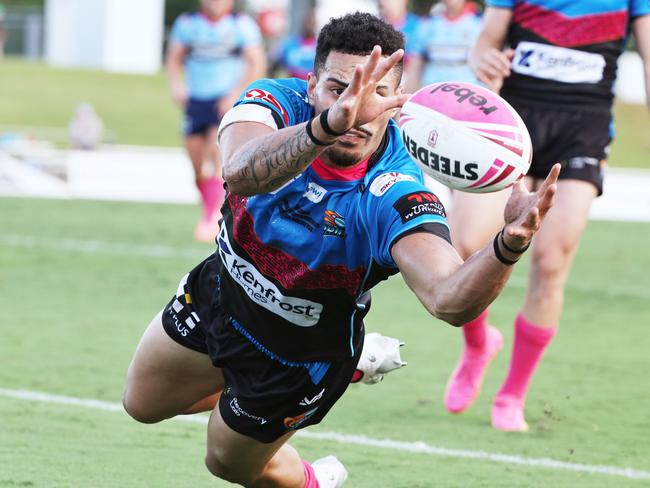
x=547 y=200
x=371 y=64
x=355 y=84
x=390 y=103
x=551 y=178
x=500 y=62
x=385 y=65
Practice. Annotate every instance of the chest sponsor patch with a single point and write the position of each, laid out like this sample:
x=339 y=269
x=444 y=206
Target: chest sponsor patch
x=418 y=203
x=383 y=182
x=314 y=192
x=557 y=63
x=263 y=292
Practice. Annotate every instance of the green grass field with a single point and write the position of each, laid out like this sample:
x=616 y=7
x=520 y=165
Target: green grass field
x=80 y=280
x=139 y=110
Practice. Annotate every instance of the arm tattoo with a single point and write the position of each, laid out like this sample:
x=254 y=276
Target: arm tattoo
x=270 y=161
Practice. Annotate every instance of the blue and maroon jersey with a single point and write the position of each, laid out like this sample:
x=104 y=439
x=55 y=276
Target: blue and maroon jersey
x=566 y=50
x=295 y=262
x=297 y=56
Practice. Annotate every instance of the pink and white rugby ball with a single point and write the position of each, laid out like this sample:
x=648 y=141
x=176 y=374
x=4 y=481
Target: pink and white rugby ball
x=466 y=137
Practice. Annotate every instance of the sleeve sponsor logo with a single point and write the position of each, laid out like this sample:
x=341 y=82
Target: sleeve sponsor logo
x=257 y=94
x=558 y=63
x=263 y=292
x=419 y=203
x=383 y=182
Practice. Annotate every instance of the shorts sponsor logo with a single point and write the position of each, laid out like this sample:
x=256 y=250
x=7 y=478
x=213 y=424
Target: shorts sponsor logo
x=383 y=182
x=418 y=203
x=558 y=63
x=439 y=162
x=464 y=94
x=257 y=94
x=583 y=162
x=333 y=224
x=292 y=423
x=240 y=412
x=315 y=192
x=305 y=402
x=263 y=292
x=296 y=214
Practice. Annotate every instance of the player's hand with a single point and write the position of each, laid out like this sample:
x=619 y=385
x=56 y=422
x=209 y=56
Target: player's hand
x=525 y=211
x=179 y=95
x=492 y=66
x=360 y=103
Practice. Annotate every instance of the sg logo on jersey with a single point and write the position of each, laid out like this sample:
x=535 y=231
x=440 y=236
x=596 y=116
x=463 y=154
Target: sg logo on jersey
x=257 y=94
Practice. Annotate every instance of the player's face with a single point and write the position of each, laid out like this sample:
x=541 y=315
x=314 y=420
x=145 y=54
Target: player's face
x=324 y=90
x=216 y=8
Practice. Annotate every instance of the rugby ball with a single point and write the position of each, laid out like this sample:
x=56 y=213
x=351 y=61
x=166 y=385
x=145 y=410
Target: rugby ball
x=466 y=137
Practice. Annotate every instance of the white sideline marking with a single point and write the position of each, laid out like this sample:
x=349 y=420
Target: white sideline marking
x=360 y=440
x=170 y=252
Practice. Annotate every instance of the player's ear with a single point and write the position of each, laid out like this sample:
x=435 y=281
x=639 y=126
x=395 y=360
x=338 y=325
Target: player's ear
x=311 y=87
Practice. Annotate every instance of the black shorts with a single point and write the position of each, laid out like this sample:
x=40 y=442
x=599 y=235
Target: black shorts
x=200 y=115
x=578 y=139
x=265 y=396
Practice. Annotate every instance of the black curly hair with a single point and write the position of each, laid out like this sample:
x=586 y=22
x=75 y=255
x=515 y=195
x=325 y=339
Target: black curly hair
x=357 y=33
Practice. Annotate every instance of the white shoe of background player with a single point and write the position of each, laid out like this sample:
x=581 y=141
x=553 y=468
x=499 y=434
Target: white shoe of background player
x=380 y=356
x=330 y=472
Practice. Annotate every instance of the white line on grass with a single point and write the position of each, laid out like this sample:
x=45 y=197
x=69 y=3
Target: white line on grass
x=171 y=252
x=360 y=440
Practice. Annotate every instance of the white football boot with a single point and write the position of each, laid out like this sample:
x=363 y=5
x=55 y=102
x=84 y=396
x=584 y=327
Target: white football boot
x=330 y=472
x=380 y=355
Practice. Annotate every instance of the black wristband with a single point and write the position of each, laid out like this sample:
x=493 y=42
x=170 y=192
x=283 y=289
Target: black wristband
x=508 y=248
x=326 y=126
x=313 y=138
x=497 y=252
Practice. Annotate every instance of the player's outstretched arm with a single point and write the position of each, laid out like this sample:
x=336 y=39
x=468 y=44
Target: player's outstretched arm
x=257 y=159
x=458 y=292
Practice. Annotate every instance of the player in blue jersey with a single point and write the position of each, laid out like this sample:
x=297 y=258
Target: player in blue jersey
x=440 y=47
x=396 y=13
x=323 y=203
x=219 y=53
x=557 y=70
x=297 y=52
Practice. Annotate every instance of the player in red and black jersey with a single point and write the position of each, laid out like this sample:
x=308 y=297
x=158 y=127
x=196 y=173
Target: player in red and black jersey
x=557 y=69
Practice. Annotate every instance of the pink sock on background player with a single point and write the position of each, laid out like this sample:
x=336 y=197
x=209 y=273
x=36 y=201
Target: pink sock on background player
x=530 y=342
x=474 y=331
x=310 y=476
x=212 y=194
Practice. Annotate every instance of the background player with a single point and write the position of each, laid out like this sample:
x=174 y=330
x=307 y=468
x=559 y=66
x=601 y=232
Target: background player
x=558 y=74
x=278 y=307
x=220 y=53
x=296 y=53
x=440 y=46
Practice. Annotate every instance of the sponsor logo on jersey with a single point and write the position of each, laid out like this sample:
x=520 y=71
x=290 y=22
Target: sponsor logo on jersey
x=418 y=203
x=314 y=192
x=257 y=94
x=263 y=292
x=464 y=94
x=333 y=224
x=305 y=402
x=440 y=163
x=292 y=423
x=383 y=182
x=558 y=63
x=240 y=412
x=296 y=214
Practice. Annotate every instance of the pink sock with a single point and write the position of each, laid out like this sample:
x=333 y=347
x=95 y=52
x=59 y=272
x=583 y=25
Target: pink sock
x=475 y=331
x=310 y=476
x=530 y=343
x=212 y=194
